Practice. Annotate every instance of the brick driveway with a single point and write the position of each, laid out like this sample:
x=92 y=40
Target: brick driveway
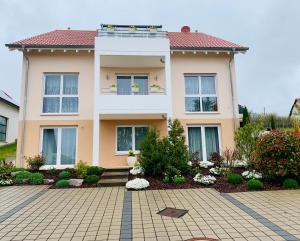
x=37 y=213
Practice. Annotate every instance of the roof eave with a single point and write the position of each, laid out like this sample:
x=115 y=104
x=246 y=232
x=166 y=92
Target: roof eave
x=36 y=46
x=9 y=103
x=235 y=49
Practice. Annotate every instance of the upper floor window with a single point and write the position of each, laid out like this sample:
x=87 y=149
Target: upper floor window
x=3 y=128
x=60 y=93
x=132 y=85
x=200 y=93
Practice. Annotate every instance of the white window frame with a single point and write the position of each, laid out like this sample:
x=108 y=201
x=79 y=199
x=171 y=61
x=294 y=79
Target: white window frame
x=132 y=138
x=204 y=154
x=61 y=95
x=58 y=156
x=132 y=79
x=200 y=95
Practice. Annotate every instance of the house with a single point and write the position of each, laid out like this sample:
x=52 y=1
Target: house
x=9 y=112
x=295 y=110
x=92 y=95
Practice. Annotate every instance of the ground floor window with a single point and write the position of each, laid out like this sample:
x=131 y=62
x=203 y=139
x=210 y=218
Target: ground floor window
x=3 y=128
x=59 y=145
x=204 y=140
x=129 y=138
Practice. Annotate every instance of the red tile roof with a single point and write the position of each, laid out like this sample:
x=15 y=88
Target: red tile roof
x=85 y=38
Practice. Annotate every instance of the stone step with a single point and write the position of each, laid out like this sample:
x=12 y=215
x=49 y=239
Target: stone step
x=125 y=169
x=113 y=175
x=112 y=182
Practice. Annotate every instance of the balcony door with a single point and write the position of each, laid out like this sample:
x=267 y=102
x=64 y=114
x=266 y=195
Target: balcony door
x=125 y=82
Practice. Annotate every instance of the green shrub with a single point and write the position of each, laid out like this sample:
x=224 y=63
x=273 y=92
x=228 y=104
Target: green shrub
x=94 y=170
x=246 y=116
x=21 y=176
x=62 y=183
x=159 y=156
x=234 y=178
x=255 y=184
x=245 y=141
x=166 y=179
x=34 y=163
x=178 y=179
x=91 y=179
x=278 y=154
x=196 y=170
x=64 y=174
x=81 y=169
x=290 y=183
x=51 y=171
x=6 y=168
x=36 y=178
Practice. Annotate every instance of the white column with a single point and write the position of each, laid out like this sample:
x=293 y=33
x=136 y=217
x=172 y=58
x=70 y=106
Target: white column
x=168 y=85
x=96 y=120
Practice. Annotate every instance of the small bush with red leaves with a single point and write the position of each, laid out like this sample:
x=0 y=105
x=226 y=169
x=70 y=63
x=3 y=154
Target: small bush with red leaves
x=278 y=154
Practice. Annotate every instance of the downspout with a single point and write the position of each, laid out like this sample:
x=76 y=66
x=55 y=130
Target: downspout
x=24 y=110
x=232 y=91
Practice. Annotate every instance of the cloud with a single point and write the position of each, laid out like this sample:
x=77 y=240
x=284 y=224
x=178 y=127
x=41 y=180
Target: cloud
x=267 y=75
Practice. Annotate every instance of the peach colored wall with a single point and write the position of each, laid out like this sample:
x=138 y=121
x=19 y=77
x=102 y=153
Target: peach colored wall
x=59 y=62
x=201 y=64
x=33 y=134
x=112 y=72
x=107 y=147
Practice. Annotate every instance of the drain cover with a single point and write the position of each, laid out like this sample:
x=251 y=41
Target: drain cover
x=173 y=212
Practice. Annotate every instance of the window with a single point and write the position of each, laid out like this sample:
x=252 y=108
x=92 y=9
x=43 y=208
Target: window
x=130 y=138
x=60 y=93
x=3 y=128
x=204 y=140
x=200 y=93
x=59 y=145
x=125 y=82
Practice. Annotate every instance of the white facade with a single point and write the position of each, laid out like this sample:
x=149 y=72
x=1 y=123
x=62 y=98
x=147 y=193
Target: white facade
x=11 y=113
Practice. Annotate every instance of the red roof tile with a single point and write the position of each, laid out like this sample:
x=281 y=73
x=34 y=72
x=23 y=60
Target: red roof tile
x=85 y=38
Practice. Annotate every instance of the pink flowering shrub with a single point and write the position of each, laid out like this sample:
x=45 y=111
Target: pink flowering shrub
x=278 y=154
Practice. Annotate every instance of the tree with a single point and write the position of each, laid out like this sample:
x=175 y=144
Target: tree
x=272 y=121
x=246 y=116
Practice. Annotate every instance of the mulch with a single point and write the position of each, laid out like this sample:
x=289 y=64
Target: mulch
x=220 y=185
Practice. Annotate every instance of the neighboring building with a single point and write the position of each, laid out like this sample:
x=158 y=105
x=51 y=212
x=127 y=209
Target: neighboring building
x=295 y=110
x=79 y=95
x=9 y=112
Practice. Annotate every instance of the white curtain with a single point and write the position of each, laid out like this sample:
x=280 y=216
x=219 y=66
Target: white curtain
x=195 y=141
x=70 y=84
x=70 y=104
x=191 y=85
x=52 y=84
x=124 y=85
x=142 y=81
x=140 y=133
x=50 y=146
x=51 y=105
x=68 y=146
x=208 y=85
x=192 y=104
x=124 y=138
x=211 y=140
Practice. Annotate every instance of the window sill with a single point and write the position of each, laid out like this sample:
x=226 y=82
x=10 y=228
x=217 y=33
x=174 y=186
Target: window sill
x=199 y=113
x=125 y=153
x=47 y=167
x=59 y=114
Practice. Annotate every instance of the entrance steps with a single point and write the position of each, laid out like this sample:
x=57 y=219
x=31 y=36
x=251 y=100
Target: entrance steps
x=114 y=177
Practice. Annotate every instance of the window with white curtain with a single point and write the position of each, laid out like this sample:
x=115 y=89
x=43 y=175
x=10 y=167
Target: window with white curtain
x=3 y=128
x=59 y=145
x=200 y=93
x=125 y=82
x=204 y=140
x=60 y=93
x=129 y=138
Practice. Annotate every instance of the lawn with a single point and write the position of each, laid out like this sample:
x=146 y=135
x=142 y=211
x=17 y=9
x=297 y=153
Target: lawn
x=8 y=150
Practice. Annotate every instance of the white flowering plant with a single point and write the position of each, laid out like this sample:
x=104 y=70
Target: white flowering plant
x=240 y=163
x=206 y=164
x=137 y=184
x=218 y=170
x=252 y=175
x=205 y=180
x=6 y=182
x=136 y=170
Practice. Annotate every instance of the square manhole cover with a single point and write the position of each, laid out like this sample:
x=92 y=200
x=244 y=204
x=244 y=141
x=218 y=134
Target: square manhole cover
x=173 y=212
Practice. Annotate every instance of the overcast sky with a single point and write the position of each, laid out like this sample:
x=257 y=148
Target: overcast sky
x=268 y=75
